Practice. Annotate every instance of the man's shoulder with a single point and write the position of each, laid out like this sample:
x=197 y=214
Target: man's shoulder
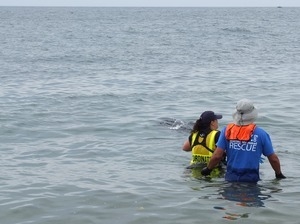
x=261 y=132
x=260 y=129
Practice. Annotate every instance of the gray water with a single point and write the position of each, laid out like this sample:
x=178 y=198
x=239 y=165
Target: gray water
x=97 y=102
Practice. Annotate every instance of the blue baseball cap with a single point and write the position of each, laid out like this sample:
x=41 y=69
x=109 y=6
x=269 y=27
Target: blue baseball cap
x=208 y=116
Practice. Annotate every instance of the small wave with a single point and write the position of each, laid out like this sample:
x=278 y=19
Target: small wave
x=237 y=30
x=175 y=124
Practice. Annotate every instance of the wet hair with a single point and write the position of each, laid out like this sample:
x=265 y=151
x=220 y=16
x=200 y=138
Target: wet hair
x=200 y=125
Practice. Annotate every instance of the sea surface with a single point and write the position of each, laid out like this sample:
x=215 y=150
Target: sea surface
x=95 y=104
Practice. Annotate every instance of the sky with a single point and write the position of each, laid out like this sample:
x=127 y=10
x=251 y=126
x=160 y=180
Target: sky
x=155 y=3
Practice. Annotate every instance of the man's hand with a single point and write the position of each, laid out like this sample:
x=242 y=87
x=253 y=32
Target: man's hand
x=205 y=171
x=280 y=176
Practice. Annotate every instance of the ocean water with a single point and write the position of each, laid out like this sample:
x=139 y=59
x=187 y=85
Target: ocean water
x=95 y=104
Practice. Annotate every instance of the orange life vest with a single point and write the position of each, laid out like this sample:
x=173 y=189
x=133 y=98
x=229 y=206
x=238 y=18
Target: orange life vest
x=241 y=133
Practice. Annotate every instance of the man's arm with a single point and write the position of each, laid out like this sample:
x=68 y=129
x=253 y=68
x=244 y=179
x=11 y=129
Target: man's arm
x=275 y=163
x=216 y=158
x=214 y=161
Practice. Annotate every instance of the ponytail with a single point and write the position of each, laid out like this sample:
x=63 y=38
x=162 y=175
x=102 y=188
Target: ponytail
x=200 y=125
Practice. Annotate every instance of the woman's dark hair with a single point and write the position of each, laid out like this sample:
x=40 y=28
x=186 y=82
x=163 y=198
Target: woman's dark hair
x=200 y=126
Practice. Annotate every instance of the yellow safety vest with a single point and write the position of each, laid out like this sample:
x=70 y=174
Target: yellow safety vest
x=203 y=147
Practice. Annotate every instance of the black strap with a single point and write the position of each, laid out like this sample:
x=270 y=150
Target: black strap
x=207 y=147
x=203 y=144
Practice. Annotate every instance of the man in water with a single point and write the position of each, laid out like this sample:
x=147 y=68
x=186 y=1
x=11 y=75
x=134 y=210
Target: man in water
x=244 y=143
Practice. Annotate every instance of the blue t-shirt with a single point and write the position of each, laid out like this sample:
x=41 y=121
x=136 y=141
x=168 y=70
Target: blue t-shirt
x=243 y=157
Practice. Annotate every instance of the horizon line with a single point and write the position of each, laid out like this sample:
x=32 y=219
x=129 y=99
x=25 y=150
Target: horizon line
x=232 y=6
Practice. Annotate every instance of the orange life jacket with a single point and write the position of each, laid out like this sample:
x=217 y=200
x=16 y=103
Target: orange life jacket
x=241 y=133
